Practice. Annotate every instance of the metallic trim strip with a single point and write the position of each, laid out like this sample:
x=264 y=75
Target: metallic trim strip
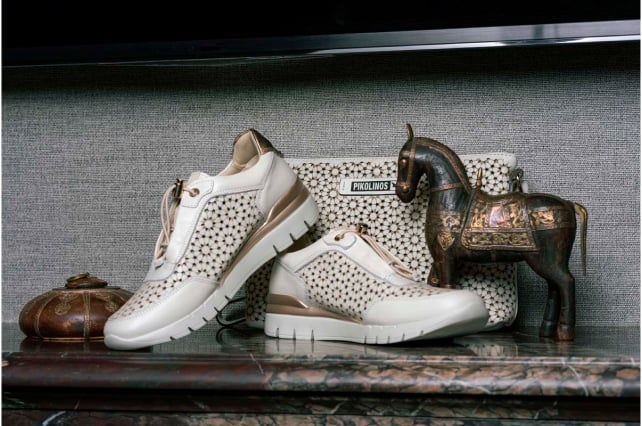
x=86 y=299
x=481 y=37
x=36 y=322
x=547 y=209
x=262 y=145
x=290 y=305
x=292 y=199
x=447 y=187
x=236 y=51
x=544 y=227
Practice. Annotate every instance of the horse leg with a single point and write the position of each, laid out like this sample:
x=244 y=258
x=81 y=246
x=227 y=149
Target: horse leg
x=442 y=273
x=551 y=313
x=433 y=276
x=558 y=276
x=446 y=272
x=566 y=326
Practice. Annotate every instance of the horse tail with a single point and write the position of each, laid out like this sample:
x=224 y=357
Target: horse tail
x=581 y=211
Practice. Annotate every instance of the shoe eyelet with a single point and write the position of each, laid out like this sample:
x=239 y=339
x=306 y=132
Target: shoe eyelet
x=194 y=192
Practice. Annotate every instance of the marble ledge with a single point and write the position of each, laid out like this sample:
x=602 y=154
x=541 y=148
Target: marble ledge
x=600 y=363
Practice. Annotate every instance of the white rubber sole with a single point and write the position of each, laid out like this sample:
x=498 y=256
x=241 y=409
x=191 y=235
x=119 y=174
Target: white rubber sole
x=466 y=319
x=274 y=242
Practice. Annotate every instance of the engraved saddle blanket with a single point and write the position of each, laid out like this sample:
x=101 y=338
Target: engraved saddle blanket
x=498 y=223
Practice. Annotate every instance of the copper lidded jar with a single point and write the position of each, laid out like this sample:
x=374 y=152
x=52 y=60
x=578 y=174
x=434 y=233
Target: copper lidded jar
x=77 y=312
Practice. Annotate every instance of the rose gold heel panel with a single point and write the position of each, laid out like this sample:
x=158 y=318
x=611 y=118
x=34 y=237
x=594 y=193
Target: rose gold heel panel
x=285 y=300
x=288 y=202
x=285 y=205
x=260 y=142
x=290 y=305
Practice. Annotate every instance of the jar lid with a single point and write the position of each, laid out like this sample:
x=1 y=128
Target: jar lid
x=77 y=312
x=84 y=280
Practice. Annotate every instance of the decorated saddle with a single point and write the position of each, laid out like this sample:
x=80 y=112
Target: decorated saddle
x=505 y=222
x=498 y=223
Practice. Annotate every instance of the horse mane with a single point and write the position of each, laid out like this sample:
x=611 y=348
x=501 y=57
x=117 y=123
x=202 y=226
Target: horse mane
x=450 y=156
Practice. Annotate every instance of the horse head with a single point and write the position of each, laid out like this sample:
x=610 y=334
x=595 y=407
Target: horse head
x=442 y=166
x=408 y=172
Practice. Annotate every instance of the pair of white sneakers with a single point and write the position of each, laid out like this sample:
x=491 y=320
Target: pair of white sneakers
x=218 y=230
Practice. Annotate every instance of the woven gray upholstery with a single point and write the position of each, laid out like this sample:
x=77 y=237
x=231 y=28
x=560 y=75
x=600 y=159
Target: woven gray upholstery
x=88 y=151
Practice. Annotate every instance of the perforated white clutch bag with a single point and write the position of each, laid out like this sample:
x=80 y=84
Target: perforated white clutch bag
x=350 y=191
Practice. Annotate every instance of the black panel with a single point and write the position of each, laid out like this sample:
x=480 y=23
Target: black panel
x=51 y=29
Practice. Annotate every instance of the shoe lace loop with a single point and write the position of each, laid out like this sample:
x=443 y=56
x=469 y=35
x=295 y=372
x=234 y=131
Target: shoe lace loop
x=169 y=203
x=396 y=264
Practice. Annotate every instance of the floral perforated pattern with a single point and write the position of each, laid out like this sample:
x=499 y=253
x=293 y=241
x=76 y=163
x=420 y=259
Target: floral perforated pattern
x=496 y=285
x=256 y=291
x=224 y=225
x=339 y=285
x=495 y=172
x=400 y=227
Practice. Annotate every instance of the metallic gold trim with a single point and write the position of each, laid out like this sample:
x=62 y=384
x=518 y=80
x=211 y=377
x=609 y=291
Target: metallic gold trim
x=554 y=217
x=478 y=182
x=74 y=339
x=63 y=305
x=446 y=187
x=78 y=276
x=445 y=240
x=290 y=305
x=36 y=322
x=262 y=144
x=515 y=240
x=545 y=219
x=445 y=220
x=547 y=208
x=292 y=199
x=498 y=223
x=110 y=304
x=86 y=298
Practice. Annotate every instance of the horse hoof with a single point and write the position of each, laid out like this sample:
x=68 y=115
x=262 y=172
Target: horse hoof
x=548 y=329
x=565 y=333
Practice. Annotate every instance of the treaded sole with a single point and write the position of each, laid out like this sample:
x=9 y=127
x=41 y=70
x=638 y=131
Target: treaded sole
x=466 y=320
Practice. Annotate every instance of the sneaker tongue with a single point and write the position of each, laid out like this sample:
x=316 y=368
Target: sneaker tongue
x=196 y=176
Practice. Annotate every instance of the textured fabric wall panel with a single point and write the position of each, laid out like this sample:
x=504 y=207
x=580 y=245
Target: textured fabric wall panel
x=88 y=151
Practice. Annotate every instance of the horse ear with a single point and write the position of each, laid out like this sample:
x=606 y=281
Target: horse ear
x=478 y=183
x=409 y=131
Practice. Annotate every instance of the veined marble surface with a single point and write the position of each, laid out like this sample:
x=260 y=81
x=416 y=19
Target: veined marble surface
x=600 y=363
x=239 y=376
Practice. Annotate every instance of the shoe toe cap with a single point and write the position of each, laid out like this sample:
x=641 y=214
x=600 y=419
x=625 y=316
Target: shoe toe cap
x=454 y=305
x=134 y=326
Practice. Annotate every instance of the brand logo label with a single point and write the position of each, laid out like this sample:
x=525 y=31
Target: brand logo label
x=366 y=186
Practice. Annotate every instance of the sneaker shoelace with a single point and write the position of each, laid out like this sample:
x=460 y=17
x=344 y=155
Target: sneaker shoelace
x=361 y=231
x=169 y=204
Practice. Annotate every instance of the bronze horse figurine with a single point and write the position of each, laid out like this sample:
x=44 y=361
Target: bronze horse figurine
x=466 y=224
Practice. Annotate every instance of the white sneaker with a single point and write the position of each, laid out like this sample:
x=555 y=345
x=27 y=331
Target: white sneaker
x=217 y=230
x=347 y=287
